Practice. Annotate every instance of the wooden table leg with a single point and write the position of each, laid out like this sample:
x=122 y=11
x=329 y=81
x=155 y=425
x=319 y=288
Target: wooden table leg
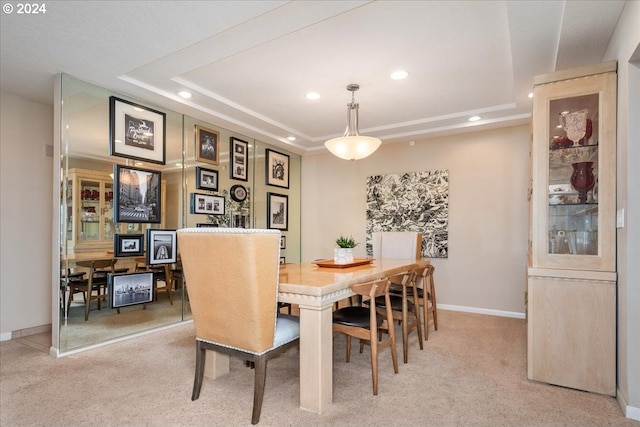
x=316 y=357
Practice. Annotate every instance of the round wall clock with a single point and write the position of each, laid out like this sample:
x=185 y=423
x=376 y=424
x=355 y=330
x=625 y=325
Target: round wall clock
x=238 y=193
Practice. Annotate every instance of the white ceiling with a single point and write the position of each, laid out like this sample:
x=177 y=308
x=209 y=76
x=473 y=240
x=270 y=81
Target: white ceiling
x=250 y=63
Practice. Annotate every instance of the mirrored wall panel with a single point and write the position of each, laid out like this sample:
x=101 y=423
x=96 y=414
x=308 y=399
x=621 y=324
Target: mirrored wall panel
x=132 y=173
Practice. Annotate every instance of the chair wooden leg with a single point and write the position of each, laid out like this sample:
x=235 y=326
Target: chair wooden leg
x=87 y=305
x=258 y=387
x=200 y=359
x=374 y=365
x=435 y=308
x=405 y=332
x=426 y=319
x=349 y=348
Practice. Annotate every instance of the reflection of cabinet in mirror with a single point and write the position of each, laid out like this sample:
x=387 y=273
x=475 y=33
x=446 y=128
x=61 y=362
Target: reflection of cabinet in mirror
x=90 y=226
x=571 y=281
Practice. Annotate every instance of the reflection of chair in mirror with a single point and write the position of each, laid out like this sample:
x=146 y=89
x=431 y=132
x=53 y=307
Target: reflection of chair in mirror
x=161 y=274
x=365 y=323
x=232 y=276
x=95 y=286
x=66 y=276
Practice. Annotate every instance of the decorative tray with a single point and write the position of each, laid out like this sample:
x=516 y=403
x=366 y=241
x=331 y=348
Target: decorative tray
x=329 y=263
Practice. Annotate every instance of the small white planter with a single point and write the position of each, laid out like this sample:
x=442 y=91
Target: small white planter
x=342 y=255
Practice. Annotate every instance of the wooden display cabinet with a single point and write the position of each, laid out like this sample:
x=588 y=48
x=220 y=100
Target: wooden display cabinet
x=90 y=226
x=571 y=286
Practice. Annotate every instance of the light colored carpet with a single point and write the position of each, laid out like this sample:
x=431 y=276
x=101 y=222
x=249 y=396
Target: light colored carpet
x=472 y=372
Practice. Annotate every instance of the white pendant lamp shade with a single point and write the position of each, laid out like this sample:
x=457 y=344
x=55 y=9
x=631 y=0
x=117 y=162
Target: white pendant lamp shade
x=352 y=145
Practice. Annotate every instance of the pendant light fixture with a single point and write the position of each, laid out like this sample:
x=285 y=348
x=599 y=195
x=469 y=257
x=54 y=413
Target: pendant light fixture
x=352 y=145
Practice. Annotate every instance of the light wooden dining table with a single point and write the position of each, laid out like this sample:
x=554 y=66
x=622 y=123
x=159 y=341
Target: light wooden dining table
x=315 y=289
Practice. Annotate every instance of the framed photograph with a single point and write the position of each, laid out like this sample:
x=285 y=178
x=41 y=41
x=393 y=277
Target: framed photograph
x=277 y=211
x=162 y=246
x=137 y=195
x=240 y=220
x=207 y=204
x=128 y=245
x=239 y=159
x=206 y=179
x=136 y=132
x=207 y=145
x=130 y=289
x=276 y=169
x=283 y=242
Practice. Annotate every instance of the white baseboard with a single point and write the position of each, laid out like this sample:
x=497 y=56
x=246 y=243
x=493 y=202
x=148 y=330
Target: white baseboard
x=630 y=412
x=5 y=336
x=465 y=309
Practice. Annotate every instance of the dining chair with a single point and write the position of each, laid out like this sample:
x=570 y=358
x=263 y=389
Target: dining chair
x=403 y=310
x=429 y=304
x=232 y=276
x=364 y=323
x=396 y=244
x=161 y=273
x=66 y=276
x=95 y=282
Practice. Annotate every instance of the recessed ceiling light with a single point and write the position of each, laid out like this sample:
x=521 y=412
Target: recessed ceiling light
x=530 y=95
x=291 y=138
x=312 y=95
x=399 y=75
x=184 y=94
x=474 y=118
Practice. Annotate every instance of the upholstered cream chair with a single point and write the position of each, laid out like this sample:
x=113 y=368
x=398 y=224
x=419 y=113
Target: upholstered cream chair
x=232 y=279
x=396 y=244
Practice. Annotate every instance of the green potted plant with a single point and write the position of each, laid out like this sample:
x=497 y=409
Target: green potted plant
x=343 y=254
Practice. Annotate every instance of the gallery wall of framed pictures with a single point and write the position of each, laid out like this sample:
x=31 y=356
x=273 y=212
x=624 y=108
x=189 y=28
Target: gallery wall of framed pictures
x=152 y=150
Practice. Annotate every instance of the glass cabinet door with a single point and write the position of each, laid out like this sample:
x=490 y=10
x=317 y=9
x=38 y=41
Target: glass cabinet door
x=91 y=194
x=573 y=209
x=573 y=175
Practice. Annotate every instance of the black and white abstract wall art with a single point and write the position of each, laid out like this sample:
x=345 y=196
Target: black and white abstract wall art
x=411 y=201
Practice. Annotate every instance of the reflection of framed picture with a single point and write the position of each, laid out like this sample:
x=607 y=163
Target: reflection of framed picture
x=205 y=224
x=128 y=245
x=136 y=132
x=137 y=195
x=277 y=211
x=283 y=242
x=130 y=289
x=162 y=246
x=238 y=193
x=207 y=204
x=277 y=169
x=238 y=159
x=207 y=146
x=206 y=179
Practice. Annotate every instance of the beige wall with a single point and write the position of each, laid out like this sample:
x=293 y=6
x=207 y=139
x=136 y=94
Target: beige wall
x=625 y=48
x=488 y=217
x=25 y=216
